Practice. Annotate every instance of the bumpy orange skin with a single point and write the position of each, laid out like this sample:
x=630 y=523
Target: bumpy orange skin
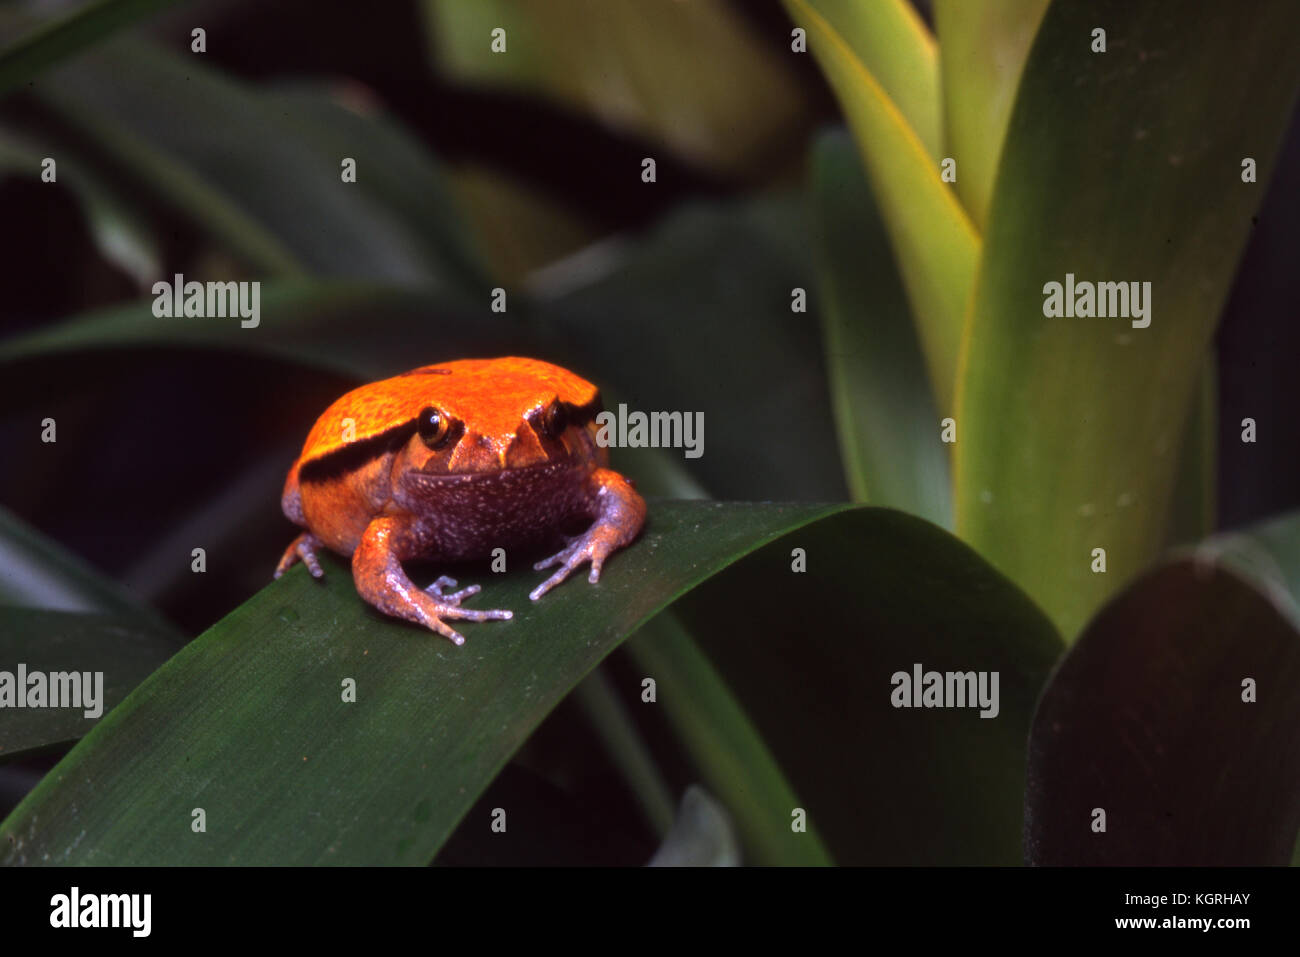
x=518 y=466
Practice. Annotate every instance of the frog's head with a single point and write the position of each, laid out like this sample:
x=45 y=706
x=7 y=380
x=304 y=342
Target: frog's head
x=481 y=416
x=470 y=417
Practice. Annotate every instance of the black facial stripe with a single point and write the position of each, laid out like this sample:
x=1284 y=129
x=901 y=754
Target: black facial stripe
x=580 y=415
x=354 y=455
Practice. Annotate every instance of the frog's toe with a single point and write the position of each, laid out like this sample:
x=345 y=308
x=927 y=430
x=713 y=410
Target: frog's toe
x=561 y=556
x=310 y=560
x=303 y=548
x=456 y=597
x=434 y=614
x=475 y=614
x=594 y=547
x=442 y=628
x=573 y=556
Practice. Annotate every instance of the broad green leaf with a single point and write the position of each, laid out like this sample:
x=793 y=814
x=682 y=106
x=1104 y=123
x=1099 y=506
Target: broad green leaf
x=121 y=650
x=44 y=44
x=891 y=40
x=247 y=721
x=982 y=49
x=1176 y=712
x=1069 y=428
x=936 y=244
x=697 y=318
x=724 y=746
x=888 y=427
x=812 y=658
x=691 y=75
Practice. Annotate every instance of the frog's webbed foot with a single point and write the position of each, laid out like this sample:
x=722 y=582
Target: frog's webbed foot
x=622 y=513
x=381 y=581
x=302 y=548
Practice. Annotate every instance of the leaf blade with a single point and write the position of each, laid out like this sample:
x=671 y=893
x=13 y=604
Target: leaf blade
x=1148 y=717
x=982 y=50
x=120 y=651
x=936 y=243
x=55 y=40
x=244 y=757
x=737 y=766
x=889 y=429
x=1075 y=447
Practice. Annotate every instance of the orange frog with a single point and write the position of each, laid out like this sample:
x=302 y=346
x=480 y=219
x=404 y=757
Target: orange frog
x=448 y=462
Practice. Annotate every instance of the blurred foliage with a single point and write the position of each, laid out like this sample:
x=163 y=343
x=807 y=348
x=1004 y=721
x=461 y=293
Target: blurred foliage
x=693 y=77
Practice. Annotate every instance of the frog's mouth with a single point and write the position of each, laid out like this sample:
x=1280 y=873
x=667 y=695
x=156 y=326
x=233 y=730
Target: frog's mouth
x=506 y=476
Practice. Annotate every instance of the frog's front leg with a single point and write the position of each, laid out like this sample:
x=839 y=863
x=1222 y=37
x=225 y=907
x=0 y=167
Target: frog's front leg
x=381 y=581
x=620 y=516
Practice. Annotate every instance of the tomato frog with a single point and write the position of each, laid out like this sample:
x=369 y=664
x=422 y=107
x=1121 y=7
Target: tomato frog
x=449 y=462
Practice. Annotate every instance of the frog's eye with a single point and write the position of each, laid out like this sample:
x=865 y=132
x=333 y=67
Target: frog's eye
x=554 y=420
x=434 y=427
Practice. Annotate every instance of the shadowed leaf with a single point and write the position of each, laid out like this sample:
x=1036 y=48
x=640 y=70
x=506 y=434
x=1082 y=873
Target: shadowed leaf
x=1147 y=717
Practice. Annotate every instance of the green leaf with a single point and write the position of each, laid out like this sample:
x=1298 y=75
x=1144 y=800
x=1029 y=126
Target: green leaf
x=56 y=40
x=889 y=38
x=308 y=321
x=121 y=649
x=1148 y=717
x=247 y=722
x=181 y=132
x=693 y=76
x=982 y=48
x=934 y=240
x=724 y=746
x=397 y=174
x=519 y=227
x=888 y=427
x=812 y=658
x=40 y=573
x=1069 y=428
x=697 y=318
x=72 y=618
